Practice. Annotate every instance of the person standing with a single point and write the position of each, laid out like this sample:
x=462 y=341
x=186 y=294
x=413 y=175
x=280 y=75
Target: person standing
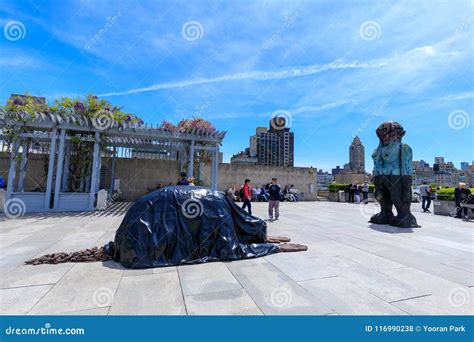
x=461 y=196
x=357 y=193
x=352 y=189
x=365 y=192
x=425 y=197
x=183 y=180
x=247 y=196
x=274 y=195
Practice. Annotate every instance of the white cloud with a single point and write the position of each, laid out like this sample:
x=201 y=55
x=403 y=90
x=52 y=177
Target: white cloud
x=410 y=61
x=459 y=96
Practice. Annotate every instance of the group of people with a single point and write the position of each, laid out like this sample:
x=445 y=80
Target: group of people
x=184 y=180
x=355 y=190
x=462 y=198
x=272 y=190
x=261 y=194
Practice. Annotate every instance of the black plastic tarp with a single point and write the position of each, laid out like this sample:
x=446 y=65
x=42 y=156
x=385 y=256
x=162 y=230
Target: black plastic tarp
x=187 y=225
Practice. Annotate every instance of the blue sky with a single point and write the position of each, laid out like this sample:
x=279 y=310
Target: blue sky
x=337 y=67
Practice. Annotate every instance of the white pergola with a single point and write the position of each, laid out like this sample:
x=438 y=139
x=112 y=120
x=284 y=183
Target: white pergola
x=58 y=130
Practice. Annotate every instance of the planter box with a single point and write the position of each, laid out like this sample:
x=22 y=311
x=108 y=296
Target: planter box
x=73 y=201
x=448 y=208
x=31 y=202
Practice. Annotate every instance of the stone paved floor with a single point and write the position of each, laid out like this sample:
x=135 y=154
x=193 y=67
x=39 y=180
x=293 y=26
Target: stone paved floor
x=351 y=267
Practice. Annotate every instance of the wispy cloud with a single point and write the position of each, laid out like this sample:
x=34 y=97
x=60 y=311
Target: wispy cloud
x=424 y=52
x=320 y=108
x=459 y=96
x=259 y=75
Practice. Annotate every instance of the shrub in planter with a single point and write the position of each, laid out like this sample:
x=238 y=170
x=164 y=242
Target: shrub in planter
x=447 y=194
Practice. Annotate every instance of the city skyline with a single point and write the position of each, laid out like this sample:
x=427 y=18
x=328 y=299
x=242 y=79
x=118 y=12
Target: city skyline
x=237 y=64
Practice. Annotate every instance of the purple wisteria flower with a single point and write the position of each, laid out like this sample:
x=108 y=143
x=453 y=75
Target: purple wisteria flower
x=19 y=102
x=79 y=106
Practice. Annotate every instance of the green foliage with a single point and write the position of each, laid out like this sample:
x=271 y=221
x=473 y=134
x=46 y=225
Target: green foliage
x=26 y=107
x=447 y=194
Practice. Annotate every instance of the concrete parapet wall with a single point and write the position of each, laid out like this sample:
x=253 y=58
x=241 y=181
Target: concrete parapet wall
x=140 y=176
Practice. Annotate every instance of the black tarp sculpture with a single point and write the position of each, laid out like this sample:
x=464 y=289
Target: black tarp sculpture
x=187 y=225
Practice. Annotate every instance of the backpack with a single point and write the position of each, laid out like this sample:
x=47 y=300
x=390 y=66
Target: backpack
x=241 y=193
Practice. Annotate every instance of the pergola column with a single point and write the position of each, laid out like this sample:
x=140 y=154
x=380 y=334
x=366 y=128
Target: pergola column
x=215 y=168
x=95 y=173
x=112 y=173
x=52 y=157
x=59 y=169
x=191 y=160
x=12 y=170
x=64 y=186
x=200 y=167
x=24 y=159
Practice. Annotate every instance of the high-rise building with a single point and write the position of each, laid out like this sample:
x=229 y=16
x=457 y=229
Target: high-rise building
x=275 y=147
x=357 y=156
x=337 y=170
x=464 y=165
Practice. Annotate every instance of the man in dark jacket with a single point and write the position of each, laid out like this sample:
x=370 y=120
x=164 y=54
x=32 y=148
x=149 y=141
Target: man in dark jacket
x=462 y=195
x=274 y=193
x=247 y=196
x=183 y=180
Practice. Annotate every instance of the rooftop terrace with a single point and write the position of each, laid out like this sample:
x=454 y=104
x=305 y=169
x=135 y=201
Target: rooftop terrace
x=351 y=267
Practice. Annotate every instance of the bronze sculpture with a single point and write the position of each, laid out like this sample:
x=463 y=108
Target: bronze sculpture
x=393 y=176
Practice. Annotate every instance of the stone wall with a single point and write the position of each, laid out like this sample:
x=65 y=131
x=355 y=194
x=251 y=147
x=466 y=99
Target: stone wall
x=302 y=178
x=140 y=176
x=36 y=170
x=348 y=178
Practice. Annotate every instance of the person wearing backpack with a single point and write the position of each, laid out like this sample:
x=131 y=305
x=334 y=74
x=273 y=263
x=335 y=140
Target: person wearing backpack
x=246 y=196
x=425 y=197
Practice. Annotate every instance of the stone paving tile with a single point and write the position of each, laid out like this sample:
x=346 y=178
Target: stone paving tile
x=415 y=270
x=233 y=302
x=90 y=312
x=19 y=300
x=346 y=298
x=18 y=253
x=85 y=286
x=152 y=294
x=301 y=266
x=27 y=275
x=273 y=291
x=206 y=278
x=440 y=305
